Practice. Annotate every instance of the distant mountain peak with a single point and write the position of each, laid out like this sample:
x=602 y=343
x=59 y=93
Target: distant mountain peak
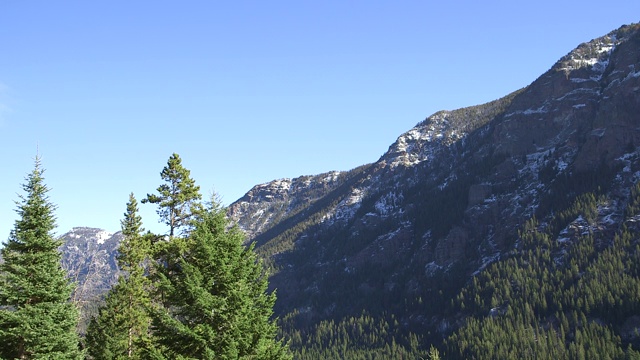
x=449 y=198
x=90 y=234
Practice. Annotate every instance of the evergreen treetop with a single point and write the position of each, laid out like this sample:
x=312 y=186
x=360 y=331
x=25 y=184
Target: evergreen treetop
x=132 y=251
x=121 y=328
x=216 y=304
x=177 y=199
x=37 y=320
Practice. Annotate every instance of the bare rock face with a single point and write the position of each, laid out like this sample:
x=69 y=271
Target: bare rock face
x=89 y=256
x=446 y=200
x=586 y=103
x=453 y=247
x=266 y=204
x=616 y=121
x=452 y=192
x=478 y=193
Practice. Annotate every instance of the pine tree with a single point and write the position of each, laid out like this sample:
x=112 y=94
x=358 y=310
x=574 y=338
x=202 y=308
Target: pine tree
x=121 y=329
x=178 y=199
x=434 y=354
x=37 y=319
x=215 y=300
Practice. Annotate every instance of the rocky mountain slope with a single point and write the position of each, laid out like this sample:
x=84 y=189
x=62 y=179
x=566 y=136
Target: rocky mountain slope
x=89 y=256
x=403 y=238
x=449 y=195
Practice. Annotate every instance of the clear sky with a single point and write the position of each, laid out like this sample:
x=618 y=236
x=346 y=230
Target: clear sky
x=249 y=91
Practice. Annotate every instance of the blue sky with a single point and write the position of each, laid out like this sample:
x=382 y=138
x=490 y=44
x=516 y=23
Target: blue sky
x=249 y=91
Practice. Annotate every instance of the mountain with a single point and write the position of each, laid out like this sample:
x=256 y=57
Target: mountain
x=89 y=256
x=452 y=194
x=510 y=222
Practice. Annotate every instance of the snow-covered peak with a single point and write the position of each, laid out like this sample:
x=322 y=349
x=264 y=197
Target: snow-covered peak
x=98 y=236
x=103 y=236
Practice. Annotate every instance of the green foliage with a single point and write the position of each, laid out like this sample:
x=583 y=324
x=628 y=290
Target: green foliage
x=362 y=337
x=214 y=303
x=633 y=207
x=121 y=328
x=551 y=299
x=177 y=199
x=201 y=295
x=438 y=209
x=566 y=186
x=37 y=320
x=134 y=249
x=434 y=354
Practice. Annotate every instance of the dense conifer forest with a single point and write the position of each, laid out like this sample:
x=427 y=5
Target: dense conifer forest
x=548 y=298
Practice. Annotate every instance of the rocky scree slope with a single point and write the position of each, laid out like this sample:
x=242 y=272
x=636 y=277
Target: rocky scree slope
x=449 y=195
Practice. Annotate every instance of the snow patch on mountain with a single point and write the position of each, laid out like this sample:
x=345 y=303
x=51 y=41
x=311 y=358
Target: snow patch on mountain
x=388 y=203
x=594 y=54
x=347 y=208
x=421 y=142
x=103 y=236
x=97 y=236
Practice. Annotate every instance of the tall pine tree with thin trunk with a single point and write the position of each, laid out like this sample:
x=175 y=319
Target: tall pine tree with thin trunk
x=37 y=319
x=121 y=329
x=177 y=199
x=215 y=303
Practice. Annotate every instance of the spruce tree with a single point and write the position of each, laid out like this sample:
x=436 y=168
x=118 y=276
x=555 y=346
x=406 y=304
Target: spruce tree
x=177 y=199
x=121 y=329
x=434 y=354
x=215 y=303
x=37 y=319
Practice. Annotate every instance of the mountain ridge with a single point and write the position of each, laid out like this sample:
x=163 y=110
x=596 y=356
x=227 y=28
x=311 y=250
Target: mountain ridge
x=494 y=163
x=453 y=196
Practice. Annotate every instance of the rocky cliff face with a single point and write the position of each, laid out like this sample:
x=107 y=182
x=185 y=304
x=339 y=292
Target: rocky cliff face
x=89 y=255
x=269 y=203
x=449 y=195
x=445 y=200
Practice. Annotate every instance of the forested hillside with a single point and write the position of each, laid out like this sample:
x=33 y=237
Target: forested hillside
x=509 y=229
x=426 y=241
x=570 y=289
